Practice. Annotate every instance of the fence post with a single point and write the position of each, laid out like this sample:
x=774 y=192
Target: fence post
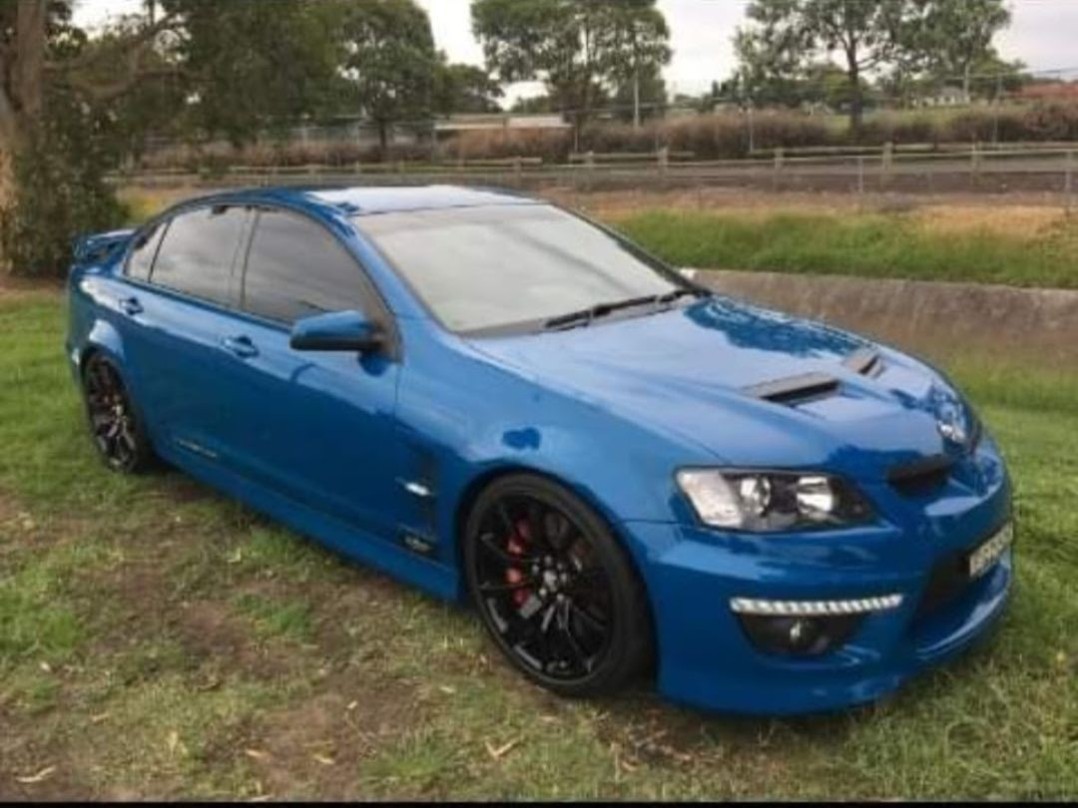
x=861 y=176
x=589 y=168
x=518 y=171
x=664 y=160
x=888 y=162
x=975 y=164
x=780 y=157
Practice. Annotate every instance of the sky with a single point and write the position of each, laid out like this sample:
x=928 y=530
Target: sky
x=1043 y=34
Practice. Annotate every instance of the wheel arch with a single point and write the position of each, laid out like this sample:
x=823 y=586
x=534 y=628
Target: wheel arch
x=475 y=487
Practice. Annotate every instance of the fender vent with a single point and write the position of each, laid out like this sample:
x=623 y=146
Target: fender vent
x=795 y=389
x=921 y=476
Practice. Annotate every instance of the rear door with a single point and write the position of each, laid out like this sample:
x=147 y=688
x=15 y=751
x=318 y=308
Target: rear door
x=317 y=426
x=179 y=314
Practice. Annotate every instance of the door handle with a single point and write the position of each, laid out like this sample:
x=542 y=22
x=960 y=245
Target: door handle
x=240 y=346
x=131 y=306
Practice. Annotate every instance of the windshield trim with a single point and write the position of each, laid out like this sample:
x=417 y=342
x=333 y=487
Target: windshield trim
x=531 y=325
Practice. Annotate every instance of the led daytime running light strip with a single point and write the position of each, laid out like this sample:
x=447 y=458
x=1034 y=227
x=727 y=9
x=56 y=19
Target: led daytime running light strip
x=815 y=608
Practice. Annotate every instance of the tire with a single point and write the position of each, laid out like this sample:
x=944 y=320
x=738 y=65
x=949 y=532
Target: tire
x=569 y=577
x=115 y=427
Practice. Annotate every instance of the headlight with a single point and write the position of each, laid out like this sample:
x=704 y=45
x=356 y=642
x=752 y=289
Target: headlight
x=770 y=501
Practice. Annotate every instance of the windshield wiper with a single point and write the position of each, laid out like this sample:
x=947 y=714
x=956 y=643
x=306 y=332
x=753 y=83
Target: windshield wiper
x=584 y=316
x=677 y=294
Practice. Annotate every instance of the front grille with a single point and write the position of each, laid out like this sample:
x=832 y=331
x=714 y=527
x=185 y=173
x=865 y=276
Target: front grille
x=921 y=477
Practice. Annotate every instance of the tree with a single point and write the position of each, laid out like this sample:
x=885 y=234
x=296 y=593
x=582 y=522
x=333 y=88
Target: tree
x=70 y=105
x=784 y=35
x=390 y=61
x=581 y=49
x=954 y=37
x=636 y=49
x=464 y=88
x=246 y=65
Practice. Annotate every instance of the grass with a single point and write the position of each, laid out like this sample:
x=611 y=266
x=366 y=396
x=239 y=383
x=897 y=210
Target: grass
x=157 y=640
x=870 y=244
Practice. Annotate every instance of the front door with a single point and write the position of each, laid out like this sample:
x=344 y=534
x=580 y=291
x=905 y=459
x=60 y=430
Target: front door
x=319 y=427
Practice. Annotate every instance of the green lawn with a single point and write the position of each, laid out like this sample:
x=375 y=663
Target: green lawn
x=892 y=245
x=157 y=640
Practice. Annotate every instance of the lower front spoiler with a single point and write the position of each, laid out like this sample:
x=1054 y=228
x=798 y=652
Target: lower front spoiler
x=712 y=665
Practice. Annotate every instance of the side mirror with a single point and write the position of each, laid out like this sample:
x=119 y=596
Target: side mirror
x=336 y=331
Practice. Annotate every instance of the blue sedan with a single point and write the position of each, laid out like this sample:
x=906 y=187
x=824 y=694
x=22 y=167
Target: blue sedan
x=501 y=402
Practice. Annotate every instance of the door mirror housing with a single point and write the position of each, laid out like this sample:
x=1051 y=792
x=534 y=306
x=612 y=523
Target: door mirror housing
x=337 y=331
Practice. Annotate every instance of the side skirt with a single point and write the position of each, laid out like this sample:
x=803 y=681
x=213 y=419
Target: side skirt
x=393 y=560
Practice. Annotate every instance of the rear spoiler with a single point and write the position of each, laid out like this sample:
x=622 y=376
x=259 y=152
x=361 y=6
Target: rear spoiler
x=99 y=247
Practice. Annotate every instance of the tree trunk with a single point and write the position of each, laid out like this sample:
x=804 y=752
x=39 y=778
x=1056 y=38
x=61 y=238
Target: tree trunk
x=29 y=67
x=857 y=98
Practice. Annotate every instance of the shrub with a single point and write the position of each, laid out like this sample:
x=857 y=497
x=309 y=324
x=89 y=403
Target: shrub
x=58 y=192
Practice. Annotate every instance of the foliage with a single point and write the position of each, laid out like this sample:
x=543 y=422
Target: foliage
x=389 y=61
x=464 y=88
x=917 y=41
x=58 y=191
x=581 y=49
x=246 y=64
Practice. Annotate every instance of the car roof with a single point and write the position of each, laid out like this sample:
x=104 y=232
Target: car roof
x=372 y=200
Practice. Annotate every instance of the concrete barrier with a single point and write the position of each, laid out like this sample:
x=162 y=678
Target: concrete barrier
x=935 y=319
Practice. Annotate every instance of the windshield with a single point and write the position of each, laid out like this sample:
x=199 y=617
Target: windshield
x=489 y=267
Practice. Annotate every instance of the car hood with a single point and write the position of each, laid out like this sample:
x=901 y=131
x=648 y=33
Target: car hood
x=688 y=372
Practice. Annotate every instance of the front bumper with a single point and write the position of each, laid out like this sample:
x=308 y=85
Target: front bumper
x=707 y=660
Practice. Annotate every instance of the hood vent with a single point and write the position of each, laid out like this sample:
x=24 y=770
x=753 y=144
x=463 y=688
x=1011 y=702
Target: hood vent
x=866 y=362
x=921 y=476
x=795 y=389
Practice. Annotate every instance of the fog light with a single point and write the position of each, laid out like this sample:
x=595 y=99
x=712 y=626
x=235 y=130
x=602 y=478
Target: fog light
x=806 y=627
x=801 y=636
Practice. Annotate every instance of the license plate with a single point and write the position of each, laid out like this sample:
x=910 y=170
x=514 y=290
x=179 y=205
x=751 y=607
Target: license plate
x=983 y=557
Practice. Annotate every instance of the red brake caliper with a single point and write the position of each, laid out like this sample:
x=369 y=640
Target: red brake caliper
x=517 y=546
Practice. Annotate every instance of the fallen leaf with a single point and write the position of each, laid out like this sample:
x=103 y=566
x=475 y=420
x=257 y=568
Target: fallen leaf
x=353 y=706
x=97 y=719
x=449 y=691
x=46 y=667
x=174 y=744
x=324 y=760
x=501 y=751
x=255 y=754
x=44 y=774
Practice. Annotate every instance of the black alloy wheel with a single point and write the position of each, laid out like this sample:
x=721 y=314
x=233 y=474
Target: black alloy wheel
x=554 y=588
x=114 y=425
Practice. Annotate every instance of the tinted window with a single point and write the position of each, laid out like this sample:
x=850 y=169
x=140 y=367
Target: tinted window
x=145 y=249
x=296 y=269
x=197 y=251
x=485 y=267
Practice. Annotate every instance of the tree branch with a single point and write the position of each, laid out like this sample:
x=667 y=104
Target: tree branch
x=135 y=42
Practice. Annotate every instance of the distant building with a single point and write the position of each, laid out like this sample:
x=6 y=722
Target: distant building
x=945 y=97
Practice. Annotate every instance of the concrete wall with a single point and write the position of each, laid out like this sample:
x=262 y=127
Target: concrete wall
x=936 y=319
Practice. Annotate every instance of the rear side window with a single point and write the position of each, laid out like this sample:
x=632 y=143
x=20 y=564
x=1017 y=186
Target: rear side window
x=296 y=269
x=196 y=253
x=145 y=250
